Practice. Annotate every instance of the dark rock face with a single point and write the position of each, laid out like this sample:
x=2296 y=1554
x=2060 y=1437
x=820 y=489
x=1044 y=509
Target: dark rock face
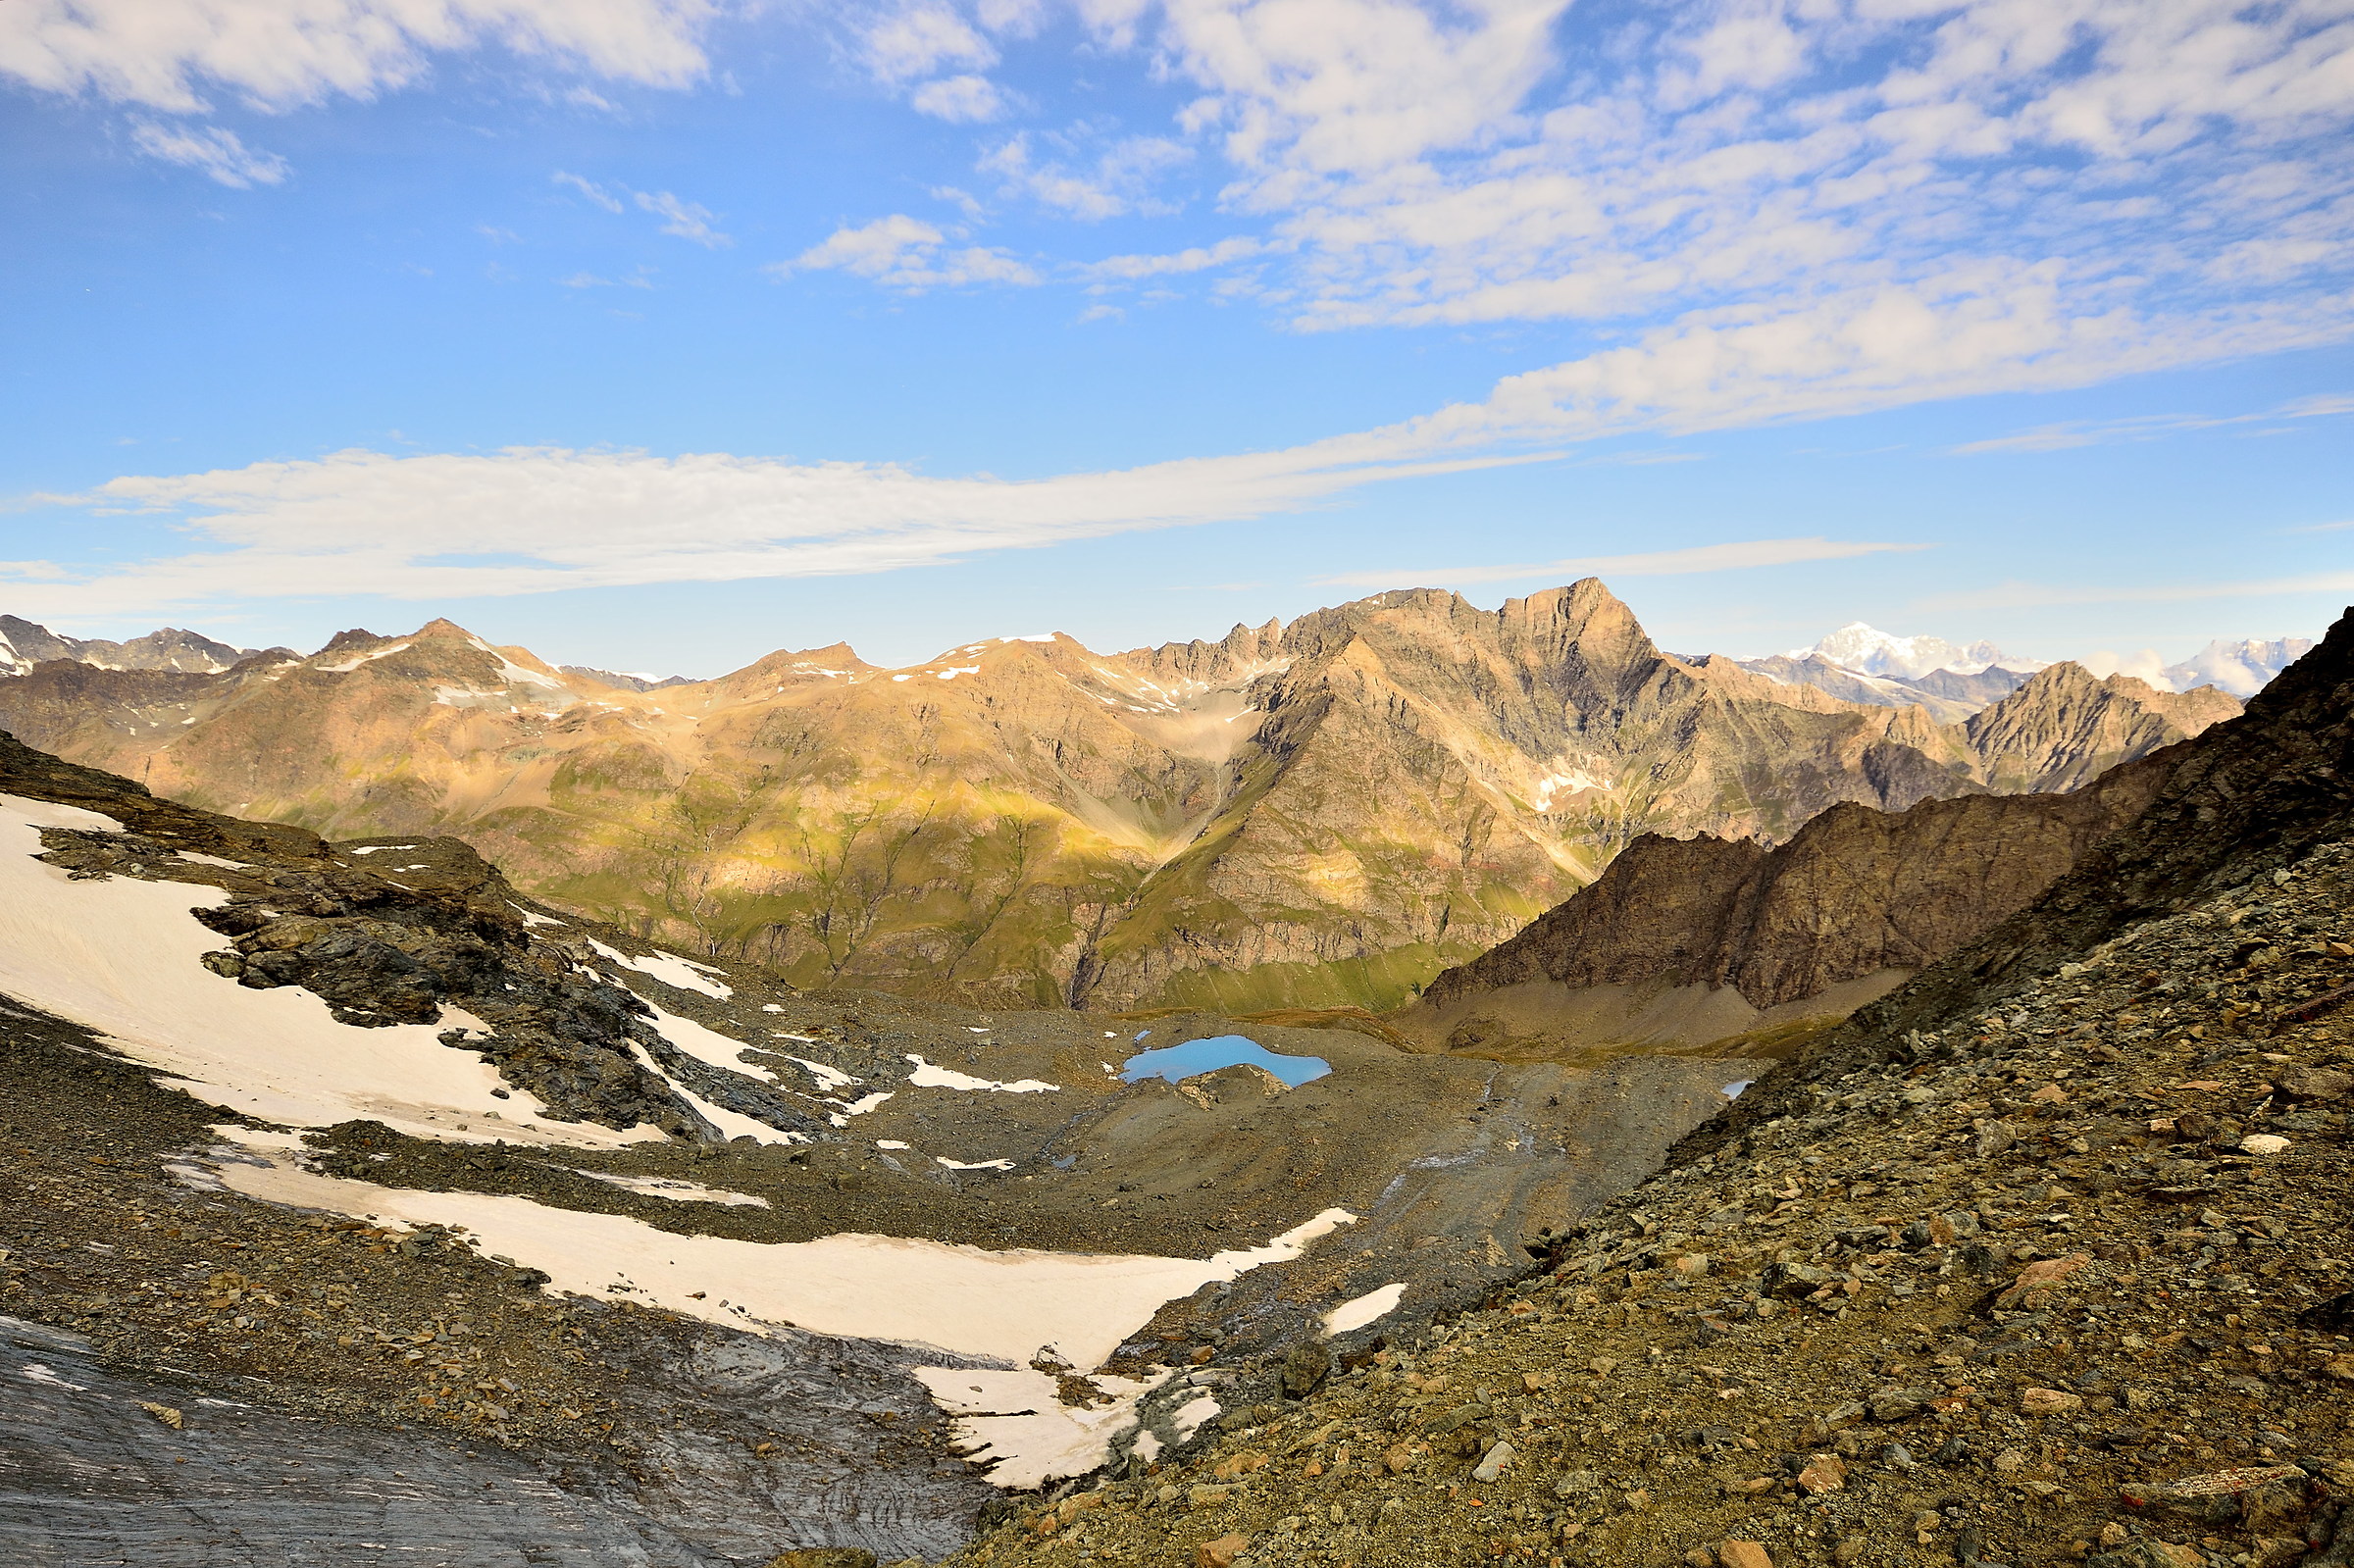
x=1855 y=892
x=94 y=1470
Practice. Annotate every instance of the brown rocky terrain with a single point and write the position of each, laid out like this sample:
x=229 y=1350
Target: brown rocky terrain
x=2048 y=1256
x=1322 y=813
x=1699 y=941
x=254 y=1240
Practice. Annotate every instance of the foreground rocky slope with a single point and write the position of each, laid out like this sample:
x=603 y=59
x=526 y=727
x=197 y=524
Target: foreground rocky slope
x=1700 y=941
x=2048 y=1256
x=351 y=1136
x=1324 y=812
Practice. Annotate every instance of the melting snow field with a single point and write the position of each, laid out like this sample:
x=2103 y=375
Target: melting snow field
x=120 y=957
x=1005 y=1307
x=1208 y=1055
x=671 y=970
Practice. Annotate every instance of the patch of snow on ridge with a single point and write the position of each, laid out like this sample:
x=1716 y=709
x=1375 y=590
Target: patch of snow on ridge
x=927 y=1076
x=378 y=849
x=672 y=1187
x=842 y=1116
x=1571 y=779
x=1373 y=1305
x=974 y=1165
x=214 y=860
x=706 y=1044
x=119 y=955
x=353 y=664
x=671 y=970
x=963 y=669
x=828 y=1078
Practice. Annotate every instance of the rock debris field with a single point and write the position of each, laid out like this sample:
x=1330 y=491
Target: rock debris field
x=2068 y=1279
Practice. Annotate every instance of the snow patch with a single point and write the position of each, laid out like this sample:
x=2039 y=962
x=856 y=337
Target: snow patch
x=350 y=665
x=1373 y=1305
x=672 y=1188
x=671 y=970
x=1014 y=1423
x=927 y=1076
x=975 y=1165
x=828 y=1078
x=120 y=957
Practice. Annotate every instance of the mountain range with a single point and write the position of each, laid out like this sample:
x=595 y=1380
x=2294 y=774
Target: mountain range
x=23 y=644
x=1319 y=813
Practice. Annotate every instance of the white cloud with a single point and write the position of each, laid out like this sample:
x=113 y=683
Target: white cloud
x=218 y=153
x=276 y=55
x=534 y=521
x=594 y=192
x=1194 y=258
x=529 y=521
x=961 y=100
x=1118 y=180
x=684 y=218
x=2144 y=665
x=1738 y=556
x=906 y=253
x=922 y=40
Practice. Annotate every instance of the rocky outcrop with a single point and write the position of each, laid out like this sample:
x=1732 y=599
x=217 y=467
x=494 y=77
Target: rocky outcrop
x=1322 y=813
x=1857 y=894
x=2063 y=728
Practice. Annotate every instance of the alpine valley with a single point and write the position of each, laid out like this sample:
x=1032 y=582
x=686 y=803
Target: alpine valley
x=1417 y=1084
x=1319 y=814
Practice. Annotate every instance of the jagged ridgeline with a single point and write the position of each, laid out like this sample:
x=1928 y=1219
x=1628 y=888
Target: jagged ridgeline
x=2045 y=1256
x=1322 y=812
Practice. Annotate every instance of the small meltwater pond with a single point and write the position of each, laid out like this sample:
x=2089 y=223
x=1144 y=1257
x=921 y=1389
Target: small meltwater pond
x=1197 y=1056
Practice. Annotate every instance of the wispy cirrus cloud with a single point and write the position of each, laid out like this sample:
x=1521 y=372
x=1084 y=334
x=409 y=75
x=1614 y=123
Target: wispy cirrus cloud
x=535 y=521
x=689 y=221
x=1735 y=556
x=216 y=153
x=2151 y=427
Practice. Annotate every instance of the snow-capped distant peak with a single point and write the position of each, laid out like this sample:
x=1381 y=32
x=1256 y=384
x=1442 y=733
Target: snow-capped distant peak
x=2244 y=668
x=1867 y=650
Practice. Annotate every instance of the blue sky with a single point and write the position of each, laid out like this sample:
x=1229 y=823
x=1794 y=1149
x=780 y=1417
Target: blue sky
x=658 y=333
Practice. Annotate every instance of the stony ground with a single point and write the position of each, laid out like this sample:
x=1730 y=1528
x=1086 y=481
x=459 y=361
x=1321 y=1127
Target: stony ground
x=1984 y=1299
